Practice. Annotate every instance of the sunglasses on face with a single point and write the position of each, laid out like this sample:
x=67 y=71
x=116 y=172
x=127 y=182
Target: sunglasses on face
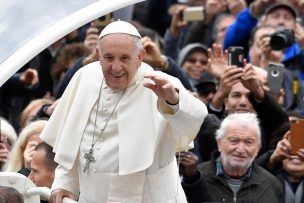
x=194 y=60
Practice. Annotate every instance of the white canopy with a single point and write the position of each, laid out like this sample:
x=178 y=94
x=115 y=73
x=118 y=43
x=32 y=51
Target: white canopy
x=28 y=27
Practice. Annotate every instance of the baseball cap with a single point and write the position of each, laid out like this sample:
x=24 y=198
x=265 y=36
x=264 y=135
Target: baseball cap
x=287 y=6
x=206 y=84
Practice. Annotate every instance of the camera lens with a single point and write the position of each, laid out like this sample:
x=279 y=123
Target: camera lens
x=275 y=73
x=277 y=42
x=281 y=38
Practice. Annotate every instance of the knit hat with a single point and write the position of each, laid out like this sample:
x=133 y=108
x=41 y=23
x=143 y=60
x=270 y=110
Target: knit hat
x=188 y=50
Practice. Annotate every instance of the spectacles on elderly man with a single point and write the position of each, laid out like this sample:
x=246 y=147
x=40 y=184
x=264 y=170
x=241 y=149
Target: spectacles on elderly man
x=195 y=60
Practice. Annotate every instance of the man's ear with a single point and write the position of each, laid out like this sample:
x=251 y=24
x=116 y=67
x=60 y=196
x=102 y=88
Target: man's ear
x=142 y=54
x=219 y=145
x=97 y=50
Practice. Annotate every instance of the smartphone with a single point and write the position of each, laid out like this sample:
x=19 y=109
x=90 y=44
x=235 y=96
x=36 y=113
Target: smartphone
x=275 y=73
x=296 y=135
x=236 y=56
x=194 y=13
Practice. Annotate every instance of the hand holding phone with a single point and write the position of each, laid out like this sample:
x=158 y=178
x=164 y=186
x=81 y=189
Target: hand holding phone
x=194 y=13
x=296 y=135
x=275 y=73
x=236 y=56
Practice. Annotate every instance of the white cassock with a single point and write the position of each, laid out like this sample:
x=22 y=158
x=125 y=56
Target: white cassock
x=135 y=155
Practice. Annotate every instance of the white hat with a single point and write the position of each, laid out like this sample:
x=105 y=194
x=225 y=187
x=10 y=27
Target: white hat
x=119 y=27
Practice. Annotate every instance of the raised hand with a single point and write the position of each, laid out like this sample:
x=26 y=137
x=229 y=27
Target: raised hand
x=236 y=6
x=29 y=77
x=91 y=39
x=163 y=88
x=217 y=61
x=28 y=154
x=177 y=22
x=299 y=34
x=153 y=55
x=230 y=77
x=251 y=81
x=282 y=151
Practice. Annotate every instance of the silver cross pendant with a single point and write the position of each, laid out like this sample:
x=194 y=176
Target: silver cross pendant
x=89 y=159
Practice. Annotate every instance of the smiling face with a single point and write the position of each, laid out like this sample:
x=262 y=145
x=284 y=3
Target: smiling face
x=237 y=101
x=294 y=167
x=120 y=57
x=195 y=64
x=238 y=148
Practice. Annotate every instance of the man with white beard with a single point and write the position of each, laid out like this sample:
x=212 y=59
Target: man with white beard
x=232 y=175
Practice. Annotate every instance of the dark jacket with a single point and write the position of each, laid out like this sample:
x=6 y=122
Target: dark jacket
x=205 y=143
x=277 y=171
x=260 y=187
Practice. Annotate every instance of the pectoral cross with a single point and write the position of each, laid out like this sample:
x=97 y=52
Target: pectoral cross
x=89 y=159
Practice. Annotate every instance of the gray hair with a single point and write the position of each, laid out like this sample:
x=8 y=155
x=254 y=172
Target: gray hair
x=137 y=40
x=248 y=119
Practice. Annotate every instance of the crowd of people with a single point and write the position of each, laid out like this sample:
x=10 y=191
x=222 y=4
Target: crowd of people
x=149 y=107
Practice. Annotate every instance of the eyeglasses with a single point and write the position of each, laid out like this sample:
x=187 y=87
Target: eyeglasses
x=194 y=60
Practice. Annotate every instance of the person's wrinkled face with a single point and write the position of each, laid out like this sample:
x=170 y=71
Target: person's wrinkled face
x=238 y=147
x=40 y=174
x=281 y=17
x=120 y=58
x=237 y=101
x=195 y=64
x=294 y=166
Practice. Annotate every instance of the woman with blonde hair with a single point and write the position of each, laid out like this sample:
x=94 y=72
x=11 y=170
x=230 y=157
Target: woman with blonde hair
x=31 y=110
x=24 y=148
x=8 y=136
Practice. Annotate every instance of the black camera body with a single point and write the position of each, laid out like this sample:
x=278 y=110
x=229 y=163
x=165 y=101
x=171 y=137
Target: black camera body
x=281 y=38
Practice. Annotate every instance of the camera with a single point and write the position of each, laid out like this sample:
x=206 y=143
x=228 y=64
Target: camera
x=194 y=13
x=281 y=38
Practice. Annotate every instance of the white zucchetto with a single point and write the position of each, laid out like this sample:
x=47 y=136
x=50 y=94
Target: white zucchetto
x=119 y=27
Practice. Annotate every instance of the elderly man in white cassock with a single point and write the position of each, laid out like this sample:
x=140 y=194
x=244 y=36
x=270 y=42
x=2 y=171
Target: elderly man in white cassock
x=118 y=125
